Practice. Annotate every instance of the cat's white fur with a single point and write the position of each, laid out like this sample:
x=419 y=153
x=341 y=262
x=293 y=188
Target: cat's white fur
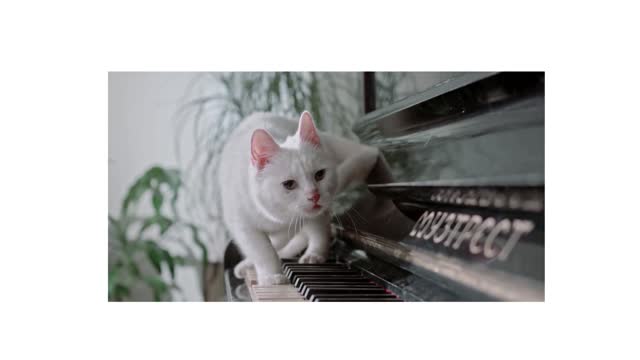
x=267 y=221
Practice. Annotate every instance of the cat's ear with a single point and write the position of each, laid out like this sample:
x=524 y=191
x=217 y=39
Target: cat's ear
x=263 y=147
x=307 y=130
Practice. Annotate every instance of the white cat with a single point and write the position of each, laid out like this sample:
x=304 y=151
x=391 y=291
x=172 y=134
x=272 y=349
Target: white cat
x=278 y=179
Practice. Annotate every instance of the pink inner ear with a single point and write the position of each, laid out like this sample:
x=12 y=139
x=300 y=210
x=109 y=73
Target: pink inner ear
x=263 y=147
x=307 y=129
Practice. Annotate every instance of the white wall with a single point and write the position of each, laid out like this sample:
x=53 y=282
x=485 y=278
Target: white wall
x=141 y=130
x=141 y=134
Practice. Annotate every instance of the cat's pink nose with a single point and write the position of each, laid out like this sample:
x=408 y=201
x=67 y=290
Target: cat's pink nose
x=314 y=197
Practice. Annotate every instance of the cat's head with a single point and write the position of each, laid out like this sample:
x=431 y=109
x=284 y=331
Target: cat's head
x=297 y=177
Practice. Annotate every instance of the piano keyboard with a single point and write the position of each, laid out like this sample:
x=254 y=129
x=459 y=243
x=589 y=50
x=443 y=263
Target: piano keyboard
x=319 y=282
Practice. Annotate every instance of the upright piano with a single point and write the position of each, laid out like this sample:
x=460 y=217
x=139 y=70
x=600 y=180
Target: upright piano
x=454 y=209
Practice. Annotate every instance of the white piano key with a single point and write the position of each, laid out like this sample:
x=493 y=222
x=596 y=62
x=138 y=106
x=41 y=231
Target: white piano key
x=284 y=292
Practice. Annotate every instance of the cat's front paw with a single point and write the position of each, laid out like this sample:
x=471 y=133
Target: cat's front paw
x=312 y=259
x=272 y=279
x=240 y=270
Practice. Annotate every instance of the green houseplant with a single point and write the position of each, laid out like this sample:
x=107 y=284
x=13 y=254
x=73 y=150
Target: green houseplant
x=136 y=254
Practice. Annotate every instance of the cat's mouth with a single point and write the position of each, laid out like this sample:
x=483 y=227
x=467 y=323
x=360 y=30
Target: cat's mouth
x=316 y=208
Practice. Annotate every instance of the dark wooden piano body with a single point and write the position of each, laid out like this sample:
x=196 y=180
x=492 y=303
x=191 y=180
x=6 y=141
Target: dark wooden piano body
x=454 y=210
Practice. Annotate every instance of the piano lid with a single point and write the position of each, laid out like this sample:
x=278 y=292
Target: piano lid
x=476 y=128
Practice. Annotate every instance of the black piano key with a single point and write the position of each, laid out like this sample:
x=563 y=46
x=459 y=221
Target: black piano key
x=385 y=294
x=351 y=296
x=325 y=263
x=311 y=265
x=335 y=281
x=293 y=275
x=346 y=288
x=301 y=279
x=339 y=284
x=300 y=285
x=323 y=270
x=357 y=300
x=355 y=291
x=354 y=278
x=289 y=270
x=308 y=287
x=314 y=266
x=330 y=276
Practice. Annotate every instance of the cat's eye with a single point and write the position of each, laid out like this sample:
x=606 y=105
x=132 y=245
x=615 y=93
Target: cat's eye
x=320 y=174
x=289 y=184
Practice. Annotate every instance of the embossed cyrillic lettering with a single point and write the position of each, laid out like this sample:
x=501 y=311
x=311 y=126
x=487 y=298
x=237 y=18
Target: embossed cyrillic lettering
x=468 y=230
x=474 y=245
x=420 y=225
x=447 y=229
x=519 y=228
x=485 y=236
x=461 y=220
x=437 y=221
x=503 y=226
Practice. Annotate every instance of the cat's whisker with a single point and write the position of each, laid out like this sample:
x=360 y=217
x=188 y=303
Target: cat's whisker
x=289 y=228
x=337 y=218
x=357 y=213
x=295 y=224
x=352 y=222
